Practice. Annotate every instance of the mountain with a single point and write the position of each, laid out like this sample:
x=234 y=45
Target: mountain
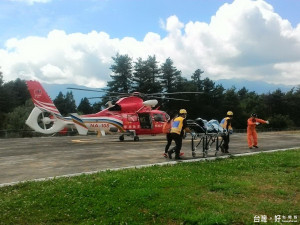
x=259 y=87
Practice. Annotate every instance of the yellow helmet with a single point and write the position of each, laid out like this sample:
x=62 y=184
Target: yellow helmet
x=229 y=113
x=182 y=111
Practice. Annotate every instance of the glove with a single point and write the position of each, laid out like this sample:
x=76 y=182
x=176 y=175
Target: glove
x=267 y=122
x=257 y=123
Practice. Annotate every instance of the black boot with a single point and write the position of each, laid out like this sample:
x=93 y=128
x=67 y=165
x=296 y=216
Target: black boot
x=178 y=157
x=170 y=152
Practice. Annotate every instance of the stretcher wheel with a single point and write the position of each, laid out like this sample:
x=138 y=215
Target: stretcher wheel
x=193 y=145
x=194 y=154
x=205 y=154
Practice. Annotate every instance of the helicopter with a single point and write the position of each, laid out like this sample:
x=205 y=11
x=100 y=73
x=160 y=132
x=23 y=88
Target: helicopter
x=130 y=115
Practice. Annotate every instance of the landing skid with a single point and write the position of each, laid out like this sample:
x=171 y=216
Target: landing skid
x=131 y=133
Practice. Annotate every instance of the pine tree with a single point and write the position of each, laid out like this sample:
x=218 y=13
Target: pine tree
x=122 y=74
x=196 y=78
x=146 y=75
x=170 y=76
x=65 y=104
x=85 y=106
x=70 y=103
x=154 y=74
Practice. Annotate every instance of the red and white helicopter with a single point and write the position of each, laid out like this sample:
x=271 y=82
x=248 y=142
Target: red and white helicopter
x=129 y=116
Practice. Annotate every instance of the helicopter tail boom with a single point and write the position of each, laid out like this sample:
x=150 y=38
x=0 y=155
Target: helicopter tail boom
x=79 y=124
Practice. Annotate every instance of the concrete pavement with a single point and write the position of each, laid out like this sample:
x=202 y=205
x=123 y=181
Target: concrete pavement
x=24 y=159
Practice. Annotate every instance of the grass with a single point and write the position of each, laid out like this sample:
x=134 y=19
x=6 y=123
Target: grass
x=227 y=191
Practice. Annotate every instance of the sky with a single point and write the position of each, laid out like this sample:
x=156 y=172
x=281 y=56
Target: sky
x=73 y=41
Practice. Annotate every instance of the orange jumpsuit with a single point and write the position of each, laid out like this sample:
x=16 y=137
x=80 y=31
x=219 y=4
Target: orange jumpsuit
x=251 y=131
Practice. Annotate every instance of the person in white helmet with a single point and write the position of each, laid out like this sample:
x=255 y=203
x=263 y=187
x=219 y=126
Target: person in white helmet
x=177 y=132
x=226 y=124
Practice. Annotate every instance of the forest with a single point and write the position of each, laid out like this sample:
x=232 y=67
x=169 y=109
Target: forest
x=148 y=76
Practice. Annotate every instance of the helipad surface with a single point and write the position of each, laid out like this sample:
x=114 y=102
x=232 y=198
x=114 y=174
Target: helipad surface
x=33 y=158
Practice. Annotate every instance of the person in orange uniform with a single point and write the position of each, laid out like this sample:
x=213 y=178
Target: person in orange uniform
x=166 y=130
x=226 y=124
x=252 y=122
x=179 y=125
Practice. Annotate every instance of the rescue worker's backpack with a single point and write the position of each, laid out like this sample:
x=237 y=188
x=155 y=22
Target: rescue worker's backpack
x=167 y=127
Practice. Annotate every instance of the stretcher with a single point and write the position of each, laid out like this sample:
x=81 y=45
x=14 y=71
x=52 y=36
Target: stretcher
x=207 y=136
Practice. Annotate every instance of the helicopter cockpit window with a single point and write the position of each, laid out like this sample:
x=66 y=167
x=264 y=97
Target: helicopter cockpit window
x=132 y=118
x=158 y=117
x=116 y=107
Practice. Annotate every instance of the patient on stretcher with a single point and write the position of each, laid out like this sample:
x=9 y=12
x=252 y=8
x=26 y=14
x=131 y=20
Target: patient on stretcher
x=200 y=125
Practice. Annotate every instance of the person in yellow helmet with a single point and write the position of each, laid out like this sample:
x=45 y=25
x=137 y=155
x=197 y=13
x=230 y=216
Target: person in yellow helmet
x=176 y=133
x=226 y=124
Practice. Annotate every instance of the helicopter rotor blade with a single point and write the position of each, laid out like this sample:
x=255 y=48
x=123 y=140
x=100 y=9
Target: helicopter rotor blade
x=85 y=89
x=104 y=97
x=176 y=93
x=92 y=90
x=177 y=99
x=138 y=94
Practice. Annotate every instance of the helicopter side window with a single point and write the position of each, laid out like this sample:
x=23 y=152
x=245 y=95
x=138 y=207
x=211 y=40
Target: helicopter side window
x=167 y=117
x=158 y=117
x=132 y=118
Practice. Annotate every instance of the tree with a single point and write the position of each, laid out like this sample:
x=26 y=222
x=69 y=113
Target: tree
x=145 y=75
x=170 y=76
x=275 y=102
x=281 y=121
x=141 y=76
x=2 y=101
x=85 y=106
x=65 y=104
x=21 y=92
x=154 y=73
x=196 y=78
x=97 y=106
x=15 y=120
x=13 y=94
x=231 y=103
x=59 y=102
x=292 y=101
x=70 y=102
x=1 y=79
x=122 y=74
x=250 y=102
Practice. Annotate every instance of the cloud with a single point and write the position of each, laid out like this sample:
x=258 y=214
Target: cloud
x=245 y=39
x=31 y=2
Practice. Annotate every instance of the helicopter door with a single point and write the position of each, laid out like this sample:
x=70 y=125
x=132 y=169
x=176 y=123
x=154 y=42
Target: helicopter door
x=145 y=121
